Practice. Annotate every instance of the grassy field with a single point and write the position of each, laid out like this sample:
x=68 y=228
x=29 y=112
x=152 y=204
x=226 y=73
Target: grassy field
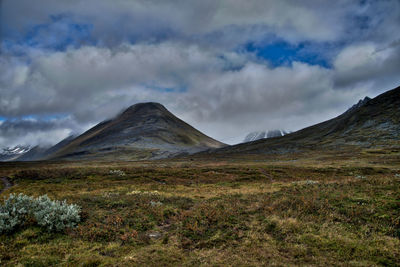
x=329 y=210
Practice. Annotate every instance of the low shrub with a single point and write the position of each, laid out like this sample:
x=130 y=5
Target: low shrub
x=53 y=215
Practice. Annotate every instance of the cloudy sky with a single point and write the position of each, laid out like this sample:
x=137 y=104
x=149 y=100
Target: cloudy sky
x=226 y=67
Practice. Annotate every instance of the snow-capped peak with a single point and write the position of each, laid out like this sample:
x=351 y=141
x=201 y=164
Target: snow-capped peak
x=253 y=136
x=17 y=150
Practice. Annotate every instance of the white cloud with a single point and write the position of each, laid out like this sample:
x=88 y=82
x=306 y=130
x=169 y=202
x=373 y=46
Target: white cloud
x=357 y=56
x=368 y=63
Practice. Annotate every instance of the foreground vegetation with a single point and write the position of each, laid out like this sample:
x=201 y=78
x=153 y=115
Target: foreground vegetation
x=205 y=213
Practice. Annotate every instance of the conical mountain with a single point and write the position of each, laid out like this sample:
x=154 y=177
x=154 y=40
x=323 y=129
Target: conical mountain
x=371 y=123
x=143 y=131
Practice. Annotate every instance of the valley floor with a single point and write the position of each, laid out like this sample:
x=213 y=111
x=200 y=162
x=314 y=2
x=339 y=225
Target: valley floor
x=327 y=210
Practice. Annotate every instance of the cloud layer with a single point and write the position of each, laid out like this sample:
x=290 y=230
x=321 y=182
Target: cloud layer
x=68 y=65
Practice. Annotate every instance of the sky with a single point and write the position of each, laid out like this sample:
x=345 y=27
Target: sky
x=226 y=67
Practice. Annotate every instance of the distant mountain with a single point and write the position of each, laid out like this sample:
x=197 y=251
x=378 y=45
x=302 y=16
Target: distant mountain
x=12 y=153
x=253 y=136
x=36 y=153
x=371 y=123
x=43 y=152
x=143 y=131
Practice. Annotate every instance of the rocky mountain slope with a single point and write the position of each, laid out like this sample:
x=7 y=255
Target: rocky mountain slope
x=372 y=123
x=143 y=131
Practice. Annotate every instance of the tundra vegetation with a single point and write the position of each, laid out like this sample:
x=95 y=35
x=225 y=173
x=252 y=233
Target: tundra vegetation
x=341 y=210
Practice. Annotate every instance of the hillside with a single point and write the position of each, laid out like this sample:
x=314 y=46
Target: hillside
x=372 y=123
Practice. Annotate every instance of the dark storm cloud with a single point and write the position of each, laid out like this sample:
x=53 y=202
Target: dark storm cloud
x=19 y=127
x=122 y=20
x=1 y=23
x=35 y=132
x=90 y=59
x=227 y=22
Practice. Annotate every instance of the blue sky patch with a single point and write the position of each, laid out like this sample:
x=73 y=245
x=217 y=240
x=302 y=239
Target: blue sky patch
x=46 y=117
x=180 y=89
x=283 y=53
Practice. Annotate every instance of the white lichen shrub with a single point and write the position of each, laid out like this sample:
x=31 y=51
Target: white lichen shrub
x=15 y=211
x=53 y=215
x=56 y=215
x=155 y=203
x=306 y=182
x=149 y=193
x=7 y=222
x=117 y=173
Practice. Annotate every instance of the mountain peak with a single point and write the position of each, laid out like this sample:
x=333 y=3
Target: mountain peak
x=360 y=103
x=147 y=107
